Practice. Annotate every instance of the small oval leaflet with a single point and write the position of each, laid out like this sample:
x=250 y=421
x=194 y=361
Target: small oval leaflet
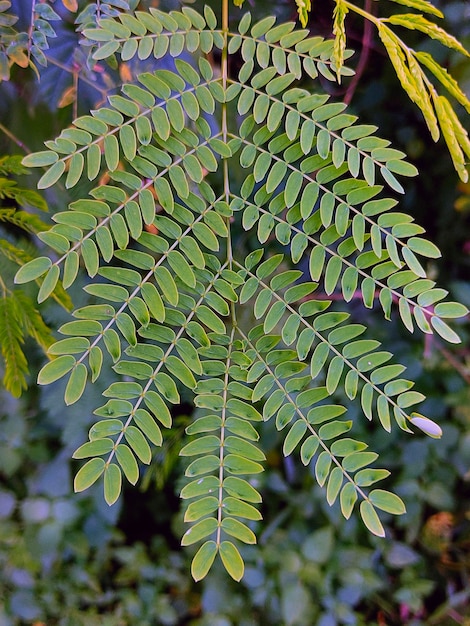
x=55 y=369
x=32 y=270
x=88 y=474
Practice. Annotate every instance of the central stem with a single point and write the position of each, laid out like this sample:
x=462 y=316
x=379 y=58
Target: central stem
x=218 y=538
x=224 y=65
x=224 y=71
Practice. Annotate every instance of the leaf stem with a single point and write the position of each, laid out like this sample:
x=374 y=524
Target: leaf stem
x=381 y=23
x=224 y=69
x=31 y=28
x=222 y=441
x=364 y=57
x=15 y=139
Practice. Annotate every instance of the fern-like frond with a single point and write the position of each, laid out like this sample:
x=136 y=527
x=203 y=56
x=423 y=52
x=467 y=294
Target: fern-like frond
x=170 y=283
x=32 y=322
x=9 y=188
x=339 y=32
x=302 y=324
x=28 y=222
x=11 y=340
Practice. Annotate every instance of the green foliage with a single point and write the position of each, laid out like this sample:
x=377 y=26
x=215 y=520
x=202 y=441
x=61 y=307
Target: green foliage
x=19 y=316
x=179 y=307
x=410 y=66
x=20 y=48
x=415 y=69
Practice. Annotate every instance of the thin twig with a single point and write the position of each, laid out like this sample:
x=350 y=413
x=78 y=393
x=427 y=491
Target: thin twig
x=72 y=70
x=455 y=363
x=31 y=28
x=364 y=57
x=75 y=101
x=15 y=139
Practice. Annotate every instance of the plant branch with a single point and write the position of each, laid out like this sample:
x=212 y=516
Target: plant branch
x=364 y=56
x=15 y=139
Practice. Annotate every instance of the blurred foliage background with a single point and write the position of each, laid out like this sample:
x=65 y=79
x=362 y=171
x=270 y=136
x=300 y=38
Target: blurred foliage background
x=70 y=560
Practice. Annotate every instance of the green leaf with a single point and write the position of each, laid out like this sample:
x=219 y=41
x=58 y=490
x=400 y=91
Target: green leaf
x=319 y=357
x=335 y=482
x=203 y=559
x=387 y=501
x=52 y=175
x=112 y=483
x=167 y=285
x=88 y=474
x=32 y=270
x=444 y=330
x=209 y=319
x=112 y=343
x=237 y=529
x=202 y=445
x=308 y=449
x=325 y=413
x=199 y=531
x=148 y=426
x=126 y=460
x=239 y=508
x=348 y=498
x=164 y=194
x=322 y=467
x=105 y=428
x=450 y=310
x=200 y=487
x=240 y=488
x=73 y=345
x=115 y=408
x=244 y=448
x=97 y=447
x=178 y=368
x=333 y=430
x=181 y=268
x=55 y=369
x=40 y=159
x=55 y=240
x=371 y=519
x=49 y=283
x=71 y=267
x=76 y=384
x=232 y=560
x=367 y=477
x=155 y=403
x=127 y=328
x=236 y=465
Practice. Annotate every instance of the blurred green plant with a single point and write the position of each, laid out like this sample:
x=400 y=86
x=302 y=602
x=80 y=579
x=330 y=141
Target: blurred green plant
x=19 y=315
